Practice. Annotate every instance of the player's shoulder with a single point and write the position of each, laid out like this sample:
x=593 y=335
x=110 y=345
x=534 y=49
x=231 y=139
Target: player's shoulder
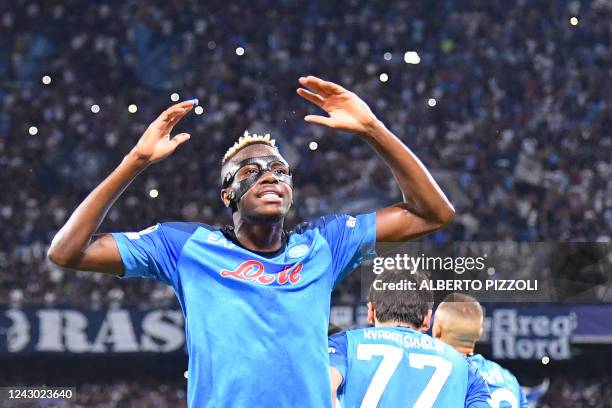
x=359 y=331
x=337 y=222
x=319 y=223
x=181 y=232
x=486 y=365
x=186 y=227
x=508 y=376
x=338 y=340
x=183 y=229
x=478 y=360
x=359 y=335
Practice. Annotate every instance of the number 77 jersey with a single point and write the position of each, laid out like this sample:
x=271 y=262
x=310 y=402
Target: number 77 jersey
x=401 y=367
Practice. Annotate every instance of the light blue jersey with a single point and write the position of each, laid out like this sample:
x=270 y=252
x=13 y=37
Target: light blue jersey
x=505 y=389
x=256 y=324
x=401 y=367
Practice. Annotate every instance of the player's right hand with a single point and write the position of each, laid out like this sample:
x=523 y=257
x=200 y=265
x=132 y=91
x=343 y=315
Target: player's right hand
x=156 y=143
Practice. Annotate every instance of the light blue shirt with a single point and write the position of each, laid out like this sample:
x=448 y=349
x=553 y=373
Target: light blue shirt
x=256 y=324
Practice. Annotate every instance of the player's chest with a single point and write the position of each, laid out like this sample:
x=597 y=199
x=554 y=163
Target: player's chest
x=221 y=261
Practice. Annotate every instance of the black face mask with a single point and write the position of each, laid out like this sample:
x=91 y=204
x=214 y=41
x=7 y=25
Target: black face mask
x=261 y=165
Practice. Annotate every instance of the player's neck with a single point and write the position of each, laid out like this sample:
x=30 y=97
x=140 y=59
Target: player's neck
x=465 y=350
x=260 y=237
x=395 y=324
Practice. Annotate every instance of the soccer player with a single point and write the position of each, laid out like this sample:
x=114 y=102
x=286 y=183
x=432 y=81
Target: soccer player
x=255 y=298
x=458 y=322
x=395 y=364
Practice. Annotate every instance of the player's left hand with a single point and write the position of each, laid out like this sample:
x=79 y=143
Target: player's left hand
x=345 y=109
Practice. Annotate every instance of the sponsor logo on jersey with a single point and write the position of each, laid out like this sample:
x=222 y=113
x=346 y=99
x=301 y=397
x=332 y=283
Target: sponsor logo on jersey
x=297 y=251
x=254 y=272
x=218 y=239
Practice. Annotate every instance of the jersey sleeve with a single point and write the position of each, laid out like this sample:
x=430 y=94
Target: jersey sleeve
x=522 y=399
x=337 y=349
x=153 y=252
x=478 y=394
x=351 y=240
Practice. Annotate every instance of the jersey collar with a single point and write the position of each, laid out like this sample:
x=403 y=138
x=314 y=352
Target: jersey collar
x=229 y=233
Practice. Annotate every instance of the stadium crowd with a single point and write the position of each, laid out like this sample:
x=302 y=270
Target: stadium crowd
x=577 y=391
x=519 y=136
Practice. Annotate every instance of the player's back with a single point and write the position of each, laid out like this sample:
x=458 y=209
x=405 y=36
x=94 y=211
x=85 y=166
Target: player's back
x=399 y=367
x=505 y=389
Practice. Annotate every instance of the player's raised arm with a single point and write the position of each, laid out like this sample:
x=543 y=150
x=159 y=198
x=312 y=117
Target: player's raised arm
x=72 y=246
x=425 y=207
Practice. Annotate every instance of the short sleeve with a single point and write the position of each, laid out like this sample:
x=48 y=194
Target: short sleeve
x=478 y=394
x=352 y=240
x=153 y=252
x=337 y=351
x=522 y=397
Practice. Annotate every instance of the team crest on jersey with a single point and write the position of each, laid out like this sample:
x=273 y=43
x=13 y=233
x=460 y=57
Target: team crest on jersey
x=297 y=251
x=254 y=272
x=351 y=222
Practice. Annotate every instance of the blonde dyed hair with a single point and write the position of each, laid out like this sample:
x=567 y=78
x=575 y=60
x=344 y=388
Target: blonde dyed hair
x=246 y=140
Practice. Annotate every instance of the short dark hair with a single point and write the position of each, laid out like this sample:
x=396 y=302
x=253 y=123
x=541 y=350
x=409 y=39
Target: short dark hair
x=404 y=306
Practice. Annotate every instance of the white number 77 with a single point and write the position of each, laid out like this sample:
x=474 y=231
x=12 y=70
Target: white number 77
x=391 y=358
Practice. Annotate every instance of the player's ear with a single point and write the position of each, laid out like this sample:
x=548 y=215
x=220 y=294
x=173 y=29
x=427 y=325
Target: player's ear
x=426 y=322
x=371 y=314
x=480 y=332
x=436 y=332
x=225 y=197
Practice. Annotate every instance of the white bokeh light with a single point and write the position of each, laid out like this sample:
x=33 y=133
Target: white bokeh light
x=313 y=145
x=574 y=21
x=239 y=51
x=199 y=110
x=387 y=56
x=545 y=360
x=132 y=108
x=174 y=97
x=153 y=193
x=411 y=57
x=95 y=108
x=432 y=102
x=33 y=130
x=46 y=80
x=383 y=77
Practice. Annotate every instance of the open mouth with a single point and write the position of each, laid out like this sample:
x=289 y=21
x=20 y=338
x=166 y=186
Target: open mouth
x=269 y=193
